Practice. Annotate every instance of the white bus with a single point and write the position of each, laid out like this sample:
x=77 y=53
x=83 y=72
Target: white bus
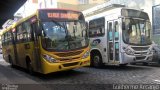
x=119 y=36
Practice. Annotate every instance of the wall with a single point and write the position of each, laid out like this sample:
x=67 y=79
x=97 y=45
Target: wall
x=96 y=1
x=67 y=6
x=155 y=37
x=73 y=2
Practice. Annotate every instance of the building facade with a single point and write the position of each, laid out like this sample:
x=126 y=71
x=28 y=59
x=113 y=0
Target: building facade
x=72 y=4
x=32 y=5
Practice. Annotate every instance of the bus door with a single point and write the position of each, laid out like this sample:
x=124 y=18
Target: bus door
x=14 y=41
x=20 y=30
x=113 y=41
x=36 y=50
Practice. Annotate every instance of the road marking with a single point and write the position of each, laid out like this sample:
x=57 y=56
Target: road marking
x=157 y=81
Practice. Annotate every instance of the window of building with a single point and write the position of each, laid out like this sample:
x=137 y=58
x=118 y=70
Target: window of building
x=83 y=1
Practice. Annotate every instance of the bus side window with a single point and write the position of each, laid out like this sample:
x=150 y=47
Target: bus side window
x=116 y=33
x=19 y=33
x=6 y=38
x=27 y=31
x=96 y=27
x=9 y=38
x=110 y=31
x=2 y=39
x=34 y=27
x=14 y=35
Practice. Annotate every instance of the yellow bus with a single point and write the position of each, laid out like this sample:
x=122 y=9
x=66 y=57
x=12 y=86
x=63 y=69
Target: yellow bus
x=48 y=41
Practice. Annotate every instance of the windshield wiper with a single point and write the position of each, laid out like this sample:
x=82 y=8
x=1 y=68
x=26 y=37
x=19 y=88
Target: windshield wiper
x=58 y=23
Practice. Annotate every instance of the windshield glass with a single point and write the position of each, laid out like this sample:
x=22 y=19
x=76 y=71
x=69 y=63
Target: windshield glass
x=64 y=35
x=136 y=31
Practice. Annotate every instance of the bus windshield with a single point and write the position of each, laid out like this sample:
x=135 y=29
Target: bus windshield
x=136 y=31
x=64 y=35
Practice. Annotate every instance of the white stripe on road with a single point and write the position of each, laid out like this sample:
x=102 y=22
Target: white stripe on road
x=157 y=81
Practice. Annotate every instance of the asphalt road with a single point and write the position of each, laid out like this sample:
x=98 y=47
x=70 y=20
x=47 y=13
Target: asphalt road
x=82 y=78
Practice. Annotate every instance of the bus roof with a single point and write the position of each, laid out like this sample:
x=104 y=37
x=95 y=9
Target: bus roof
x=113 y=11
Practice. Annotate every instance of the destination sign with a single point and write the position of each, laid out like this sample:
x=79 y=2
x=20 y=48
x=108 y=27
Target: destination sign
x=59 y=15
x=63 y=15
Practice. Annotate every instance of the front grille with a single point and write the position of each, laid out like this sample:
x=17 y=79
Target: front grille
x=65 y=59
x=67 y=54
x=144 y=53
x=140 y=53
x=140 y=48
x=140 y=58
x=70 y=64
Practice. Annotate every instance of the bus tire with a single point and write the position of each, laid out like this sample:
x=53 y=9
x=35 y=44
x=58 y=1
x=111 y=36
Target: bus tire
x=96 y=60
x=29 y=67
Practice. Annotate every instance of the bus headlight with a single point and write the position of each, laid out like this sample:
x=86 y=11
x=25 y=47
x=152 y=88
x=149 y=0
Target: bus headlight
x=86 y=55
x=49 y=58
x=129 y=52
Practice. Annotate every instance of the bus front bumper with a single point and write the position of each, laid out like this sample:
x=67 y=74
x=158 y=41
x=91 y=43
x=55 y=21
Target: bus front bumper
x=54 y=67
x=136 y=59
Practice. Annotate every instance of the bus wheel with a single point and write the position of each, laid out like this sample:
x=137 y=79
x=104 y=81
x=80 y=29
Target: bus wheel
x=96 y=60
x=30 y=68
